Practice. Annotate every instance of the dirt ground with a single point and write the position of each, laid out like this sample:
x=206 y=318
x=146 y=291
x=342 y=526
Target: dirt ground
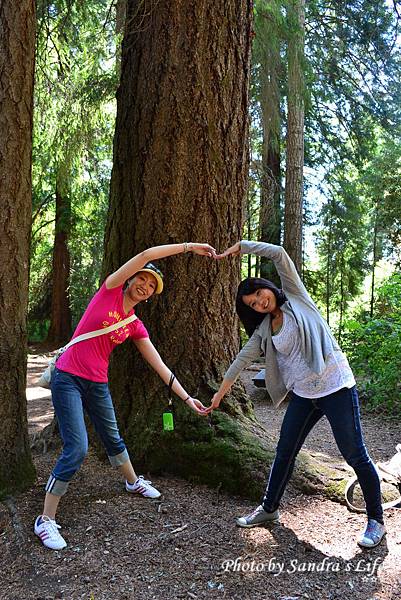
x=185 y=545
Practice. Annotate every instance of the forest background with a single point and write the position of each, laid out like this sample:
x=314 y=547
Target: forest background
x=302 y=148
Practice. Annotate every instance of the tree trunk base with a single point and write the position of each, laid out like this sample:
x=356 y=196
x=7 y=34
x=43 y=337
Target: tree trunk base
x=233 y=455
x=47 y=439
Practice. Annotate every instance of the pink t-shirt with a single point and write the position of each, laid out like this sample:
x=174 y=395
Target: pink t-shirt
x=90 y=358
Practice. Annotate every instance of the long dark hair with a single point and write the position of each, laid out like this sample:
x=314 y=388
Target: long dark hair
x=249 y=317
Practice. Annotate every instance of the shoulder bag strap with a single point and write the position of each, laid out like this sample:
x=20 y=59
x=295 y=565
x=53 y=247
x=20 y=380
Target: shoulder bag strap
x=91 y=334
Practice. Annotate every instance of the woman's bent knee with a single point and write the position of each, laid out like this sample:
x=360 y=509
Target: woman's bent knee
x=75 y=455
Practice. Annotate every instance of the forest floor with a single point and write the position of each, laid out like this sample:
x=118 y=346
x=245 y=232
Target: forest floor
x=185 y=545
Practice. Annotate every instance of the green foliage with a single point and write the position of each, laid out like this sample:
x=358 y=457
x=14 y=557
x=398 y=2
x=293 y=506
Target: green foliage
x=354 y=77
x=76 y=80
x=351 y=70
x=381 y=179
x=373 y=347
x=343 y=243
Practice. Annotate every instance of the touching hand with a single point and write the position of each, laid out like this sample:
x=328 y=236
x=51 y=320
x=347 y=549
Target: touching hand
x=215 y=404
x=232 y=251
x=196 y=406
x=201 y=249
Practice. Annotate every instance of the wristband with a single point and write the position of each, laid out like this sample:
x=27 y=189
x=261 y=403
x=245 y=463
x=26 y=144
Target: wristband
x=187 y=398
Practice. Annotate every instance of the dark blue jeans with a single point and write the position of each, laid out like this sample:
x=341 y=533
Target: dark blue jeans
x=342 y=411
x=71 y=395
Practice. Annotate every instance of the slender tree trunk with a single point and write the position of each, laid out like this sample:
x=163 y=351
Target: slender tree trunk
x=295 y=134
x=341 y=319
x=374 y=261
x=121 y=9
x=249 y=236
x=60 y=321
x=328 y=260
x=270 y=225
x=121 y=14
x=270 y=218
x=17 y=44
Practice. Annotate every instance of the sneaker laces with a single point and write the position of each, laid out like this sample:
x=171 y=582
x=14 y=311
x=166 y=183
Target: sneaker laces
x=255 y=512
x=143 y=480
x=51 y=526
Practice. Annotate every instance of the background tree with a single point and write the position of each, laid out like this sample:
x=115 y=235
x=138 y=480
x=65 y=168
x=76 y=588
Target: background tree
x=60 y=317
x=293 y=213
x=76 y=69
x=343 y=247
x=382 y=190
x=268 y=91
x=17 y=47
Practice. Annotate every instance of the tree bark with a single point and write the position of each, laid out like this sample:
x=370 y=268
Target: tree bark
x=374 y=259
x=60 y=320
x=295 y=134
x=17 y=44
x=328 y=269
x=342 y=300
x=270 y=185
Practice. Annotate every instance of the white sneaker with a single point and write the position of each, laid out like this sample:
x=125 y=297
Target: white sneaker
x=47 y=530
x=144 y=487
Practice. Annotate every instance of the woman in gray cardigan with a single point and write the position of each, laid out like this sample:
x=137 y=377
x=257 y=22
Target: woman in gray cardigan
x=302 y=359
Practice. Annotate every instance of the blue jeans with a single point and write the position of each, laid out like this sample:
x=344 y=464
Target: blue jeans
x=71 y=395
x=342 y=411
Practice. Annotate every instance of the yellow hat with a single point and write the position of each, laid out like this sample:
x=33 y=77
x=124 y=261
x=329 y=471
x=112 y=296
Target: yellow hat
x=157 y=274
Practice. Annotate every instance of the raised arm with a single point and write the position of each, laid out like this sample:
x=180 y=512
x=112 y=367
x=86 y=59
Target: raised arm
x=137 y=263
x=290 y=280
x=153 y=358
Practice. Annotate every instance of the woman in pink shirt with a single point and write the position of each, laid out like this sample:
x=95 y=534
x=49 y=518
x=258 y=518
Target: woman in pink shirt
x=79 y=382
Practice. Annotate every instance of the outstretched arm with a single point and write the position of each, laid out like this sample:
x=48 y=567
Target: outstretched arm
x=290 y=279
x=224 y=388
x=137 y=263
x=249 y=353
x=151 y=355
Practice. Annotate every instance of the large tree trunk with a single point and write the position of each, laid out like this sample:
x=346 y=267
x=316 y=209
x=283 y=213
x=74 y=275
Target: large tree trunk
x=60 y=321
x=17 y=44
x=295 y=134
x=180 y=170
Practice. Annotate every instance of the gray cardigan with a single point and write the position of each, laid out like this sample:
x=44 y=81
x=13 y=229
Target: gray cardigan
x=317 y=341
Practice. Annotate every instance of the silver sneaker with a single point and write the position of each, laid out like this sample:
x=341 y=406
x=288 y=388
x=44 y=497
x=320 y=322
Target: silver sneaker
x=373 y=534
x=258 y=517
